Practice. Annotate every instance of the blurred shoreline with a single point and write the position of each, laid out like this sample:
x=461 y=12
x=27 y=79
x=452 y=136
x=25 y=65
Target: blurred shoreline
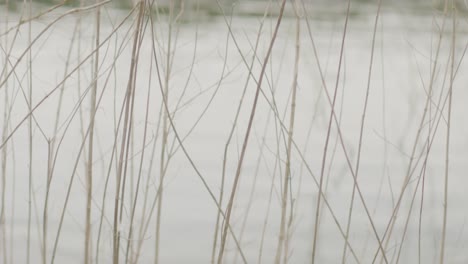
x=203 y=8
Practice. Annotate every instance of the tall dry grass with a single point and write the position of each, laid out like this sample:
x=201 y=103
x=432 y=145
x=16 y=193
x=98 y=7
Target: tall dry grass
x=93 y=154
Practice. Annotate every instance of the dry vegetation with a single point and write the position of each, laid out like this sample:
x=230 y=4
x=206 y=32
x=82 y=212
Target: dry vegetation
x=144 y=135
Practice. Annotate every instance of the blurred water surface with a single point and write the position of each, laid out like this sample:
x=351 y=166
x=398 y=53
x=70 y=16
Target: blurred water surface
x=208 y=71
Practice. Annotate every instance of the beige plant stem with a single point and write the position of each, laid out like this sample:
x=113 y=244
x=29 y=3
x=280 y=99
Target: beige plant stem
x=283 y=240
x=324 y=158
x=447 y=146
x=165 y=133
x=246 y=139
x=340 y=136
x=361 y=132
x=130 y=93
x=391 y=223
x=228 y=143
x=89 y=165
x=4 y=153
x=30 y=134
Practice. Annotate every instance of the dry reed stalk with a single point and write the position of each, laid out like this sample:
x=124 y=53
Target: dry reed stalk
x=441 y=104
x=4 y=154
x=45 y=216
x=317 y=214
x=391 y=223
x=85 y=135
x=361 y=132
x=130 y=232
x=267 y=214
x=19 y=59
x=343 y=146
x=51 y=148
x=187 y=155
x=89 y=165
x=230 y=136
x=4 y=181
x=272 y=105
x=144 y=225
x=165 y=132
x=30 y=18
x=432 y=131
x=447 y=149
x=287 y=174
x=247 y=134
x=30 y=135
x=287 y=178
x=113 y=156
x=385 y=164
x=260 y=158
x=50 y=170
x=130 y=95
x=37 y=37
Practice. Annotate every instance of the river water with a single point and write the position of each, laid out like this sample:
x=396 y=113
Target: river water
x=208 y=73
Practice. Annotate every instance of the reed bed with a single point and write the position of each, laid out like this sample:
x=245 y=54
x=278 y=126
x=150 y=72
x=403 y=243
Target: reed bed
x=187 y=132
